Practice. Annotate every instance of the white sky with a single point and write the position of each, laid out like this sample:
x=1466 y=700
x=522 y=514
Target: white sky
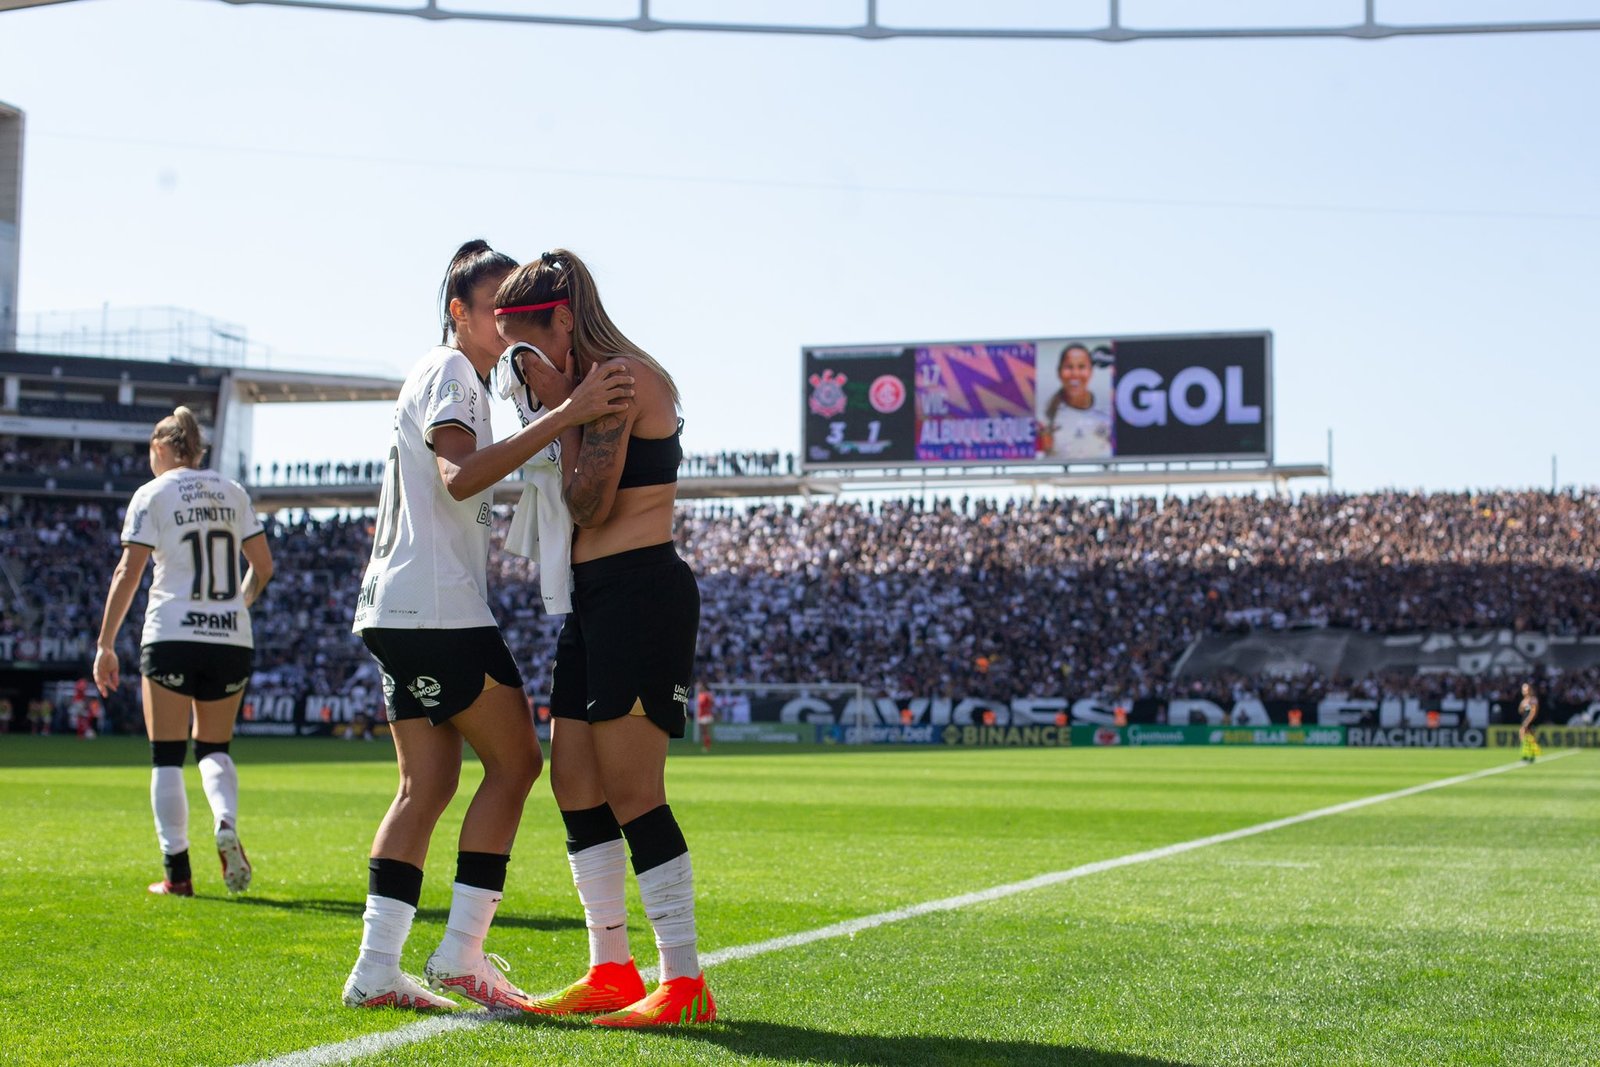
x=1415 y=219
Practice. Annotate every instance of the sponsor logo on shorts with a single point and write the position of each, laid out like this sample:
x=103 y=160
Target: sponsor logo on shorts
x=424 y=689
x=388 y=686
x=234 y=687
x=171 y=681
x=680 y=695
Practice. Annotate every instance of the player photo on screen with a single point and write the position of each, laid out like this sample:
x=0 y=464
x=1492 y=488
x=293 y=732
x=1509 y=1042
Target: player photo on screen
x=1076 y=418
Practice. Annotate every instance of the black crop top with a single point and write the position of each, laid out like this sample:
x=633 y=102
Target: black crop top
x=652 y=460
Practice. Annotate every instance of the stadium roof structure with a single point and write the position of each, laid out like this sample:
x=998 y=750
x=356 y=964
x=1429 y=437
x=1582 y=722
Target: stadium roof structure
x=1329 y=19
x=806 y=486
x=298 y=387
x=1180 y=472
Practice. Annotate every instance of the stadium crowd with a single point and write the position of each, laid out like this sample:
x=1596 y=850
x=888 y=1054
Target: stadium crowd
x=694 y=465
x=52 y=456
x=965 y=597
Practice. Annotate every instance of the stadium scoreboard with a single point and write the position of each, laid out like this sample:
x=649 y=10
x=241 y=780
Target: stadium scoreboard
x=1069 y=399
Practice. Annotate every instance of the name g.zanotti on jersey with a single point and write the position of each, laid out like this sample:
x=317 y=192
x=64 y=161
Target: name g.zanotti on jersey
x=194 y=522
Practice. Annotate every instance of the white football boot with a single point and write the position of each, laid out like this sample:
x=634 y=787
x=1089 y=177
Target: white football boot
x=482 y=983
x=235 y=864
x=396 y=990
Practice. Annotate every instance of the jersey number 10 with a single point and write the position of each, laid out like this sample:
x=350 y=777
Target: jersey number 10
x=388 y=507
x=206 y=564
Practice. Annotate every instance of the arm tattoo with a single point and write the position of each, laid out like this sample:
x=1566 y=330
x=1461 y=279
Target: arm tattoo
x=597 y=467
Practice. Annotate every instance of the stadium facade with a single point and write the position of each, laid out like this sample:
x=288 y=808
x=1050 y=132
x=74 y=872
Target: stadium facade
x=11 y=121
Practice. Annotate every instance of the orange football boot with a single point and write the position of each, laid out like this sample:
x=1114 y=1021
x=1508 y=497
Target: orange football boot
x=607 y=987
x=675 y=1002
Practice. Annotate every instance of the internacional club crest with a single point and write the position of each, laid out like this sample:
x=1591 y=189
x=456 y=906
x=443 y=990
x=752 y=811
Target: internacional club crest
x=888 y=394
x=827 y=394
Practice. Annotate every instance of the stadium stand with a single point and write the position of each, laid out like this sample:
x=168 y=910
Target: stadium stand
x=95 y=411
x=963 y=596
x=367 y=472
x=54 y=456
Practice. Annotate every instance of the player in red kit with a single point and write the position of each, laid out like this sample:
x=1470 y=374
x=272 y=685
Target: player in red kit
x=705 y=713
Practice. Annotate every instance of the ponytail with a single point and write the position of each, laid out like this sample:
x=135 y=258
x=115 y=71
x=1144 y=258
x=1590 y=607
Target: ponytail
x=180 y=432
x=472 y=263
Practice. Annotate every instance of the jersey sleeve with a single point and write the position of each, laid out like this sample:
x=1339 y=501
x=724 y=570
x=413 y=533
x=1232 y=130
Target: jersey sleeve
x=453 y=398
x=249 y=521
x=139 y=525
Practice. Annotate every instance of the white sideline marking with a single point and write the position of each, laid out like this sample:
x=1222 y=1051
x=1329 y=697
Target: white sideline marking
x=372 y=1044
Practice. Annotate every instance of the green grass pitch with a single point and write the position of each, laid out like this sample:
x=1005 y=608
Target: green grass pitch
x=1455 y=926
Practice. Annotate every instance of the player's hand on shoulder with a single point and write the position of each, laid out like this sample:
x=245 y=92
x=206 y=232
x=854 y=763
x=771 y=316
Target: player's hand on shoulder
x=606 y=390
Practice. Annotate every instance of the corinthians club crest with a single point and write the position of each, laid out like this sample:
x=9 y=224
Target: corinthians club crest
x=827 y=394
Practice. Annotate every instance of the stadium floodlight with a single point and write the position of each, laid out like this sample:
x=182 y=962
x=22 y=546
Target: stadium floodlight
x=1114 y=26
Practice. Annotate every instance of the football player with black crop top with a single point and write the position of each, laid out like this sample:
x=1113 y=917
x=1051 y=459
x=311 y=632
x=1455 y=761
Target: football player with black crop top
x=625 y=657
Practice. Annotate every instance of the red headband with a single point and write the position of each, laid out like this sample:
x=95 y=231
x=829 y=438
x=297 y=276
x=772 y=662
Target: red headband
x=531 y=307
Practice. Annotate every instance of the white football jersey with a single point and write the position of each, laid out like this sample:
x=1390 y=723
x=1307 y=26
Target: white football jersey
x=430 y=553
x=194 y=522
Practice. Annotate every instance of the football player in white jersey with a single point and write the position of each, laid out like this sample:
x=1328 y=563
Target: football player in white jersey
x=197 y=647
x=424 y=614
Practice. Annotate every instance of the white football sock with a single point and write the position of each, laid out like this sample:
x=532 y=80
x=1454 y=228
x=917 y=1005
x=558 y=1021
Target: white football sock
x=600 y=873
x=384 y=927
x=472 y=909
x=668 y=895
x=171 y=806
x=220 y=779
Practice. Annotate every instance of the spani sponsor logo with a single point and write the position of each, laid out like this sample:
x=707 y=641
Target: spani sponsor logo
x=425 y=690
x=212 y=620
